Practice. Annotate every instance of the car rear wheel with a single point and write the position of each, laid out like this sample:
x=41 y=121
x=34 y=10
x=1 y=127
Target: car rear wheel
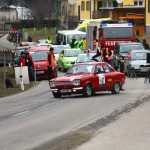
x=56 y=95
x=87 y=91
x=116 y=88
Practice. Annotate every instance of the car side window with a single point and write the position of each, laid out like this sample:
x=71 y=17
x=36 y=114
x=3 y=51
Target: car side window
x=99 y=69
x=107 y=68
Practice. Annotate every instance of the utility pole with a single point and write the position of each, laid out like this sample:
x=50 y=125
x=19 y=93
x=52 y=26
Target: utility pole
x=57 y=16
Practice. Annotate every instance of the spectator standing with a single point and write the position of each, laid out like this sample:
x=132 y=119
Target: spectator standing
x=73 y=43
x=58 y=41
x=29 y=63
x=29 y=38
x=49 y=40
x=19 y=36
x=84 y=43
x=81 y=43
x=145 y=44
x=51 y=63
x=23 y=59
x=106 y=55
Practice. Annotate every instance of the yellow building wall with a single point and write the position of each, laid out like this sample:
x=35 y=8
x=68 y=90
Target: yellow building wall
x=147 y=14
x=84 y=14
x=128 y=2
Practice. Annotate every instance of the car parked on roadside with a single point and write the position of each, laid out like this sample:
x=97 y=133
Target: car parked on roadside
x=58 y=49
x=120 y=51
x=39 y=55
x=86 y=79
x=136 y=61
x=67 y=57
x=16 y=55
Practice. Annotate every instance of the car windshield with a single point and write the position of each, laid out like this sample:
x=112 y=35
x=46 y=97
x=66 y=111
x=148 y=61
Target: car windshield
x=86 y=58
x=69 y=37
x=72 y=53
x=126 y=32
x=127 y=48
x=139 y=56
x=39 y=55
x=81 y=69
x=58 y=49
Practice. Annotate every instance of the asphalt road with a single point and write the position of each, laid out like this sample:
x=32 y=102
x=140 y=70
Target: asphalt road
x=29 y=119
x=34 y=117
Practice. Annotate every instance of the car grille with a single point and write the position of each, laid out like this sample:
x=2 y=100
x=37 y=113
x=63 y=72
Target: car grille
x=64 y=83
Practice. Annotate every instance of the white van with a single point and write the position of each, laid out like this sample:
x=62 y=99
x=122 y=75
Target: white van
x=66 y=35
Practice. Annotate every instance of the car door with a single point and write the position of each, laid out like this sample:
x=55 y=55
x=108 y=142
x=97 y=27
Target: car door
x=109 y=75
x=100 y=79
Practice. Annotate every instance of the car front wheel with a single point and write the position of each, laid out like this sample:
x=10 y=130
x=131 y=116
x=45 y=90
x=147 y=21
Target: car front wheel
x=116 y=88
x=87 y=91
x=56 y=95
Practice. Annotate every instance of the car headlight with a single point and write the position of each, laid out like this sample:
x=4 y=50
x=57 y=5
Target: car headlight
x=52 y=84
x=76 y=82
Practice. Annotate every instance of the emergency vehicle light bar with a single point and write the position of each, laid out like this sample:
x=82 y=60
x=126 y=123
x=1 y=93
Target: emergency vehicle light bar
x=117 y=25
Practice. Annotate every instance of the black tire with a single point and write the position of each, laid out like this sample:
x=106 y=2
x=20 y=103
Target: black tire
x=116 y=88
x=63 y=69
x=56 y=95
x=87 y=91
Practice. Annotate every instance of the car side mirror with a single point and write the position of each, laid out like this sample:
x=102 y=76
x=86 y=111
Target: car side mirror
x=72 y=63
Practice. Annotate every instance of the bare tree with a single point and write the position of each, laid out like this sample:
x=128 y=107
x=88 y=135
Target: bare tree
x=41 y=11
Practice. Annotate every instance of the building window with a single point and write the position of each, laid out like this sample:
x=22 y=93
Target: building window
x=63 y=10
x=149 y=6
x=138 y=3
x=88 y=5
x=107 y=4
x=82 y=5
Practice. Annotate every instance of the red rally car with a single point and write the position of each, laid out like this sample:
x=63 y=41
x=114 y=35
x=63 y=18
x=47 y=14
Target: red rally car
x=86 y=79
x=39 y=55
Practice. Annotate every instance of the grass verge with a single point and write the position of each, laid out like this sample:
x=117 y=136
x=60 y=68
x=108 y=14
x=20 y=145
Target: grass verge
x=10 y=74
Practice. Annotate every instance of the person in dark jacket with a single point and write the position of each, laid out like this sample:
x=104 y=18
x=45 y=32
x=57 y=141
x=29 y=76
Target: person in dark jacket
x=29 y=38
x=50 y=62
x=145 y=44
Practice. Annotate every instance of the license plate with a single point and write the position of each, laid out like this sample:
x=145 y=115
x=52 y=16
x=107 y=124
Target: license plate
x=65 y=91
x=39 y=72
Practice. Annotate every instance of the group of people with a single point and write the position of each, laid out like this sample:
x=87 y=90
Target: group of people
x=106 y=54
x=81 y=44
x=26 y=60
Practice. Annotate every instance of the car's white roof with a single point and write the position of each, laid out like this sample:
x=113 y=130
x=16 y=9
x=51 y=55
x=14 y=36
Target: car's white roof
x=140 y=51
x=71 y=32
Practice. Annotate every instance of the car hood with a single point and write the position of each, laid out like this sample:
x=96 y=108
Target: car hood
x=139 y=62
x=72 y=59
x=70 y=77
x=40 y=64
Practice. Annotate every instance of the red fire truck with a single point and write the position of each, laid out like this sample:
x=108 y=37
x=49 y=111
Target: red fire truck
x=107 y=33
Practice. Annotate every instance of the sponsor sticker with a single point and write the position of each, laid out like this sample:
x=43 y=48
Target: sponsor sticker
x=101 y=80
